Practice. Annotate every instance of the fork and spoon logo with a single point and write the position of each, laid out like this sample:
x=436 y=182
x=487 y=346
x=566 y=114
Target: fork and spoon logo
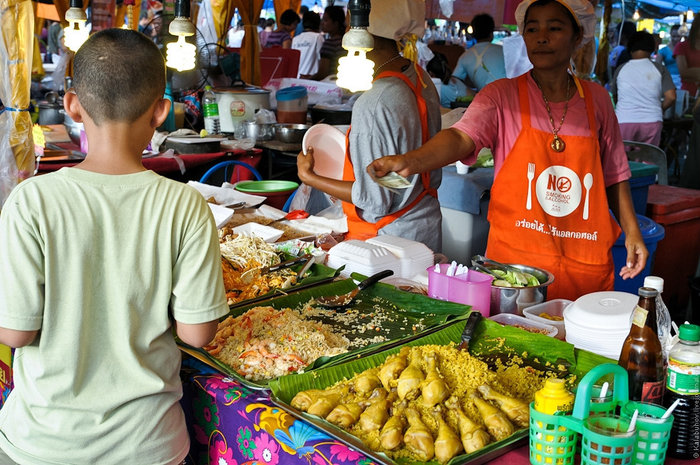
x=559 y=190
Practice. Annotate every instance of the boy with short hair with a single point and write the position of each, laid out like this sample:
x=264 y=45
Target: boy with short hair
x=99 y=262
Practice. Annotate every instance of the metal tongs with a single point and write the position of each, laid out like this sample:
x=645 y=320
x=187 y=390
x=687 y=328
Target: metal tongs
x=481 y=263
x=247 y=276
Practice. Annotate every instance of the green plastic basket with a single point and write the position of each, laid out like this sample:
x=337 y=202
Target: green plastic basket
x=550 y=441
x=606 y=440
x=652 y=432
x=554 y=438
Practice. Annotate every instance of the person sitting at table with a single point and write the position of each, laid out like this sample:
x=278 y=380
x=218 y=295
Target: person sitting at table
x=560 y=165
x=483 y=63
x=687 y=55
x=639 y=86
x=400 y=112
x=333 y=25
x=309 y=44
x=96 y=367
x=281 y=37
x=452 y=87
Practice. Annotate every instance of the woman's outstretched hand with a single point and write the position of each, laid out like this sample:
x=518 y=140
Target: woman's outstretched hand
x=383 y=166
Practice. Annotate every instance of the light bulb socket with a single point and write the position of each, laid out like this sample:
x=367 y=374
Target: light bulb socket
x=358 y=39
x=182 y=8
x=181 y=26
x=76 y=4
x=359 y=13
x=75 y=13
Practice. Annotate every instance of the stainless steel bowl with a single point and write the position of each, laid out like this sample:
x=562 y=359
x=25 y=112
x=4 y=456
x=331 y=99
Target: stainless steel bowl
x=72 y=128
x=515 y=299
x=291 y=133
x=259 y=131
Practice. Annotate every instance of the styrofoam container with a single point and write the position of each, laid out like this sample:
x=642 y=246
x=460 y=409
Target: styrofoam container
x=513 y=320
x=553 y=307
x=266 y=233
x=414 y=256
x=362 y=257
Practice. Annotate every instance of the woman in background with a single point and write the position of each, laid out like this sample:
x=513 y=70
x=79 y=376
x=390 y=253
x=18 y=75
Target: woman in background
x=333 y=25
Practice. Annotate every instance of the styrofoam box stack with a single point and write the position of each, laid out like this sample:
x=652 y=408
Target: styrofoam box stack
x=363 y=257
x=599 y=322
x=415 y=256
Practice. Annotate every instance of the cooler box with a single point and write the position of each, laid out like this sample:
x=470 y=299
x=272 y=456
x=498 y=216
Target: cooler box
x=678 y=211
x=5 y=373
x=643 y=176
x=652 y=233
x=464 y=203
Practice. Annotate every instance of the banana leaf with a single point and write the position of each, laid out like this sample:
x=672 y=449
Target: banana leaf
x=489 y=340
x=405 y=317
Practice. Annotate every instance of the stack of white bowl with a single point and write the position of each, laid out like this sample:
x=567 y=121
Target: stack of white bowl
x=599 y=322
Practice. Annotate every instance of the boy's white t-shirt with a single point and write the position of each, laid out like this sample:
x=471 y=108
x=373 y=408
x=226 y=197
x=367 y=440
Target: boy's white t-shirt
x=99 y=264
x=640 y=85
x=309 y=44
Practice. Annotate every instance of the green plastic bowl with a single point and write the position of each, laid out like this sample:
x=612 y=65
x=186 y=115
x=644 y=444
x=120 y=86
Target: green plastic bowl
x=264 y=187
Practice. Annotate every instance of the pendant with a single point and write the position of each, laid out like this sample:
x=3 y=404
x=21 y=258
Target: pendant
x=557 y=144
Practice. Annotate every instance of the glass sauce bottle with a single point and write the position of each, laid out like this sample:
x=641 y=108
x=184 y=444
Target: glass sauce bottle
x=641 y=353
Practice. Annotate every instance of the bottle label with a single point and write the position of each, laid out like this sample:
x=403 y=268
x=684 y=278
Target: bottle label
x=211 y=109
x=639 y=317
x=683 y=378
x=652 y=391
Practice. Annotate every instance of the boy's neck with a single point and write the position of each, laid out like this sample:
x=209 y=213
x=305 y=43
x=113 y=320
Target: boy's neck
x=114 y=148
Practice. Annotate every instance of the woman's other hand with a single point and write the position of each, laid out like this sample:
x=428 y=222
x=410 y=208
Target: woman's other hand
x=305 y=165
x=383 y=166
x=637 y=256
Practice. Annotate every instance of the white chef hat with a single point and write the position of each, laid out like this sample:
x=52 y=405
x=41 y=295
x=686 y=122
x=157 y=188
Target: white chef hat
x=400 y=20
x=582 y=11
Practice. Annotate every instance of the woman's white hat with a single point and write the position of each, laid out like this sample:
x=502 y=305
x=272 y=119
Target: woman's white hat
x=397 y=19
x=582 y=11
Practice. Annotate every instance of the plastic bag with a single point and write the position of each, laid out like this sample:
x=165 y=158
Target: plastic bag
x=663 y=327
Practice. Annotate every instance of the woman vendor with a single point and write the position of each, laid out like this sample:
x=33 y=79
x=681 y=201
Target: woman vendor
x=399 y=113
x=559 y=159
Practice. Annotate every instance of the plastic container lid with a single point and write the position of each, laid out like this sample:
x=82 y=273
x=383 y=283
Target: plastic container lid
x=652 y=232
x=402 y=247
x=689 y=332
x=362 y=257
x=668 y=199
x=261 y=187
x=601 y=311
x=640 y=169
x=291 y=93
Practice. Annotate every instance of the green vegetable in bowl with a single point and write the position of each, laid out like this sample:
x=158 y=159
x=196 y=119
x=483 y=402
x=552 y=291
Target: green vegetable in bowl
x=512 y=278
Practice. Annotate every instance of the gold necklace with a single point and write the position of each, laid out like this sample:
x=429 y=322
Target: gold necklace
x=557 y=143
x=376 y=71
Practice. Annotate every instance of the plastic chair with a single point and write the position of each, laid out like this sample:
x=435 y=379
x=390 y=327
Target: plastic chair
x=639 y=151
x=225 y=165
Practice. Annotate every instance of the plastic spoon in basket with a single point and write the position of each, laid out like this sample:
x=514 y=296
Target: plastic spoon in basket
x=604 y=390
x=633 y=421
x=670 y=410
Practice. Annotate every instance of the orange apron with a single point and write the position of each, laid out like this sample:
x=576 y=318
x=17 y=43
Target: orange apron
x=357 y=227
x=550 y=210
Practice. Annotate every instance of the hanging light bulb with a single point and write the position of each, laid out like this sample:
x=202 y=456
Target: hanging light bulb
x=180 y=55
x=690 y=15
x=355 y=71
x=683 y=30
x=470 y=29
x=635 y=16
x=129 y=19
x=75 y=33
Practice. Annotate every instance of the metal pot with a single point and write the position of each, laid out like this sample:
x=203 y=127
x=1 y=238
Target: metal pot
x=515 y=299
x=238 y=105
x=73 y=129
x=50 y=113
x=330 y=116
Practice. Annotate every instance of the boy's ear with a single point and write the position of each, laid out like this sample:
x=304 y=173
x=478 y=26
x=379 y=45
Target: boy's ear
x=160 y=112
x=72 y=106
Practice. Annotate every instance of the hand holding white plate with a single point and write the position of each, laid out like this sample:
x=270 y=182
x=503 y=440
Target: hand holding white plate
x=328 y=144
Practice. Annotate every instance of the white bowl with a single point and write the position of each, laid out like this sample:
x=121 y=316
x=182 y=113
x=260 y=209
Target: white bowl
x=602 y=311
x=552 y=307
x=511 y=319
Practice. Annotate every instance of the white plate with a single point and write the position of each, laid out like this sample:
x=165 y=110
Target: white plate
x=329 y=149
x=266 y=233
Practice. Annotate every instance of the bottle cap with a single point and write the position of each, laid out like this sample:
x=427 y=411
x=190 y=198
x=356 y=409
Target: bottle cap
x=689 y=332
x=654 y=282
x=647 y=292
x=555 y=383
x=207 y=87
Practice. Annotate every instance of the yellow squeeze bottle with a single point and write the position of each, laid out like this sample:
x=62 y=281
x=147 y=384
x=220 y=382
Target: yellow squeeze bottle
x=553 y=398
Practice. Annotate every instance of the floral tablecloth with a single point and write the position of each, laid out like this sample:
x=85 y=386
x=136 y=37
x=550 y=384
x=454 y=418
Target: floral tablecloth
x=233 y=425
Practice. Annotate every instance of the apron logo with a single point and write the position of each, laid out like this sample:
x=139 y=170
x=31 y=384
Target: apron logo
x=558 y=190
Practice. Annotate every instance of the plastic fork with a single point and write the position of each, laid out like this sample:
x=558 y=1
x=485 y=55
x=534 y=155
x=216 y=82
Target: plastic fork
x=530 y=177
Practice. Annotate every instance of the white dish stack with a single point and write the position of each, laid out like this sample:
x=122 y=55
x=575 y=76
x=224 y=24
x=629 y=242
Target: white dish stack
x=406 y=258
x=599 y=322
